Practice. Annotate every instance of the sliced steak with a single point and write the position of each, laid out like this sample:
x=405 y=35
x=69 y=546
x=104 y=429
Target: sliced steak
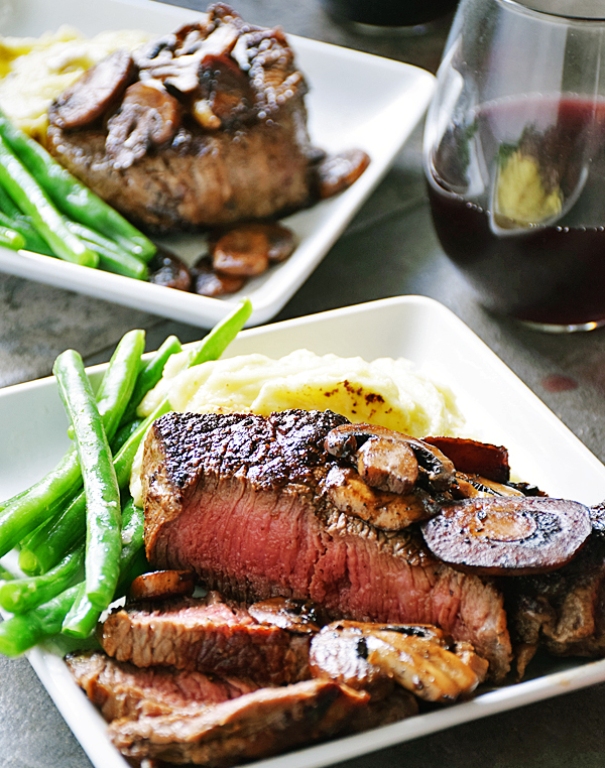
x=241 y=500
x=252 y=726
x=124 y=691
x=563 y=611
x=211 y=637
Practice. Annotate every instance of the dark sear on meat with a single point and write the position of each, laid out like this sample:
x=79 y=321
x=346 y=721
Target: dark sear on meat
x=202 y=128
x=265 y=481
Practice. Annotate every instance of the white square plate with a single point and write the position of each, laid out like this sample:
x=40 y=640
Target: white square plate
x=356 y=100
x=498 y=407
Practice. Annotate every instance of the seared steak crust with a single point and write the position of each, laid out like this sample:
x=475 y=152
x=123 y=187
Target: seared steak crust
x=217 y=638
x=241 y=500
x=255 y=725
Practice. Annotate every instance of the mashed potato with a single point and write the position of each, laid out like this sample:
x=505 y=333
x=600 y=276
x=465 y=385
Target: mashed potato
x=34 y=71
x=392 y=393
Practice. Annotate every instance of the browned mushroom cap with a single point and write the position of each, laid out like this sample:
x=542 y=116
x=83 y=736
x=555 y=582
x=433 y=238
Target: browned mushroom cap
x=299 y=616
x=508 y=536
x=432 y=467
x=337 y=172
x=474 y=458
x=159 y=585
x=388 y=511
x=247 y=249
x=148 y=116
x=94 y=93
x=168 y=270
x=418 y=657
x=207 y=282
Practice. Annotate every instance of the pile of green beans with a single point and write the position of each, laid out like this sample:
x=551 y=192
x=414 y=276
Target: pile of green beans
x=79 y=534
x=44 y=209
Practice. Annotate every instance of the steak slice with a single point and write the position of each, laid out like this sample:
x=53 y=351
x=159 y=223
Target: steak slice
x=125 y=691
x=252 y=726
x=207 y=636
x=241 y=500
x=563 y=611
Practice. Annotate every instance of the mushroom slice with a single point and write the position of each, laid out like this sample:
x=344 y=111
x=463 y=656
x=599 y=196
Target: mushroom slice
x=299 y=616
x=470 y=486
x=435 y=470
x=388 y=511
x=338 y=172
x=168 y=270
x=417 y=657
x=247 y=250
x=508 y=536
x=92 y=94
x=426 y=667
x=339 y=652
x=475 y=458
x=158 y=585
x=149 y=116
x=207 y=282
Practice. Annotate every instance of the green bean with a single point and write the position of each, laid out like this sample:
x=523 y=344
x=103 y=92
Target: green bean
x=33 y=241
x=112 y=257
x=11 y=239
x=212 y=346
x=151 y=374
x=103 y=543
x=20 y=633
x=29 y=509
x=34 y=201
x=58 y=536
x=117 y=386
x=21 y=595
x=40 y=502
x=124 y=433
x=52 y=540
x=72 y=197
x=7 y=206
x=83 y=616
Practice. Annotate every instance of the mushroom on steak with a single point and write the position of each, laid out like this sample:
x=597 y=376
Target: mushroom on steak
x=351 y=494
x=420 y=658
x=94 y=93
x=393 y=461
x=508 y=536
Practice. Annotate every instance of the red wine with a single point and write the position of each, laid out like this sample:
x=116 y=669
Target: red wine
x=553 y=274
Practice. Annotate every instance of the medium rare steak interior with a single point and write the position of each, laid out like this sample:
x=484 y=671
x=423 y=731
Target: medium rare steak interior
x=204 y=127
x=244 y=501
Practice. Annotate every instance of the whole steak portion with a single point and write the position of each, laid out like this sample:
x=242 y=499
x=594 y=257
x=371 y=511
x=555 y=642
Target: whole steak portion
x=209 y=130
x=241 y=500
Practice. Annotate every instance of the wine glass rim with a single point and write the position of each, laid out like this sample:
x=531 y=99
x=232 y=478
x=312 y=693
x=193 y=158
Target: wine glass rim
x=576 y=10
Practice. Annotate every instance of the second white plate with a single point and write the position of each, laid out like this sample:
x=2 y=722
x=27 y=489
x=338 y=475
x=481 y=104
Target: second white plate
x=356 y=100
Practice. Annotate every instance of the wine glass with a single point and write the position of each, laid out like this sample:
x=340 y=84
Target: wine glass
x=514 y=155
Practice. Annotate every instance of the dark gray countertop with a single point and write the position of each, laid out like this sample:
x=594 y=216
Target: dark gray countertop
x=390 y=248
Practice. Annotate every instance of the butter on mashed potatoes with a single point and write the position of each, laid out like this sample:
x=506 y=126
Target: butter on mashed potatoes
x=392 y=393
x=34 y=71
